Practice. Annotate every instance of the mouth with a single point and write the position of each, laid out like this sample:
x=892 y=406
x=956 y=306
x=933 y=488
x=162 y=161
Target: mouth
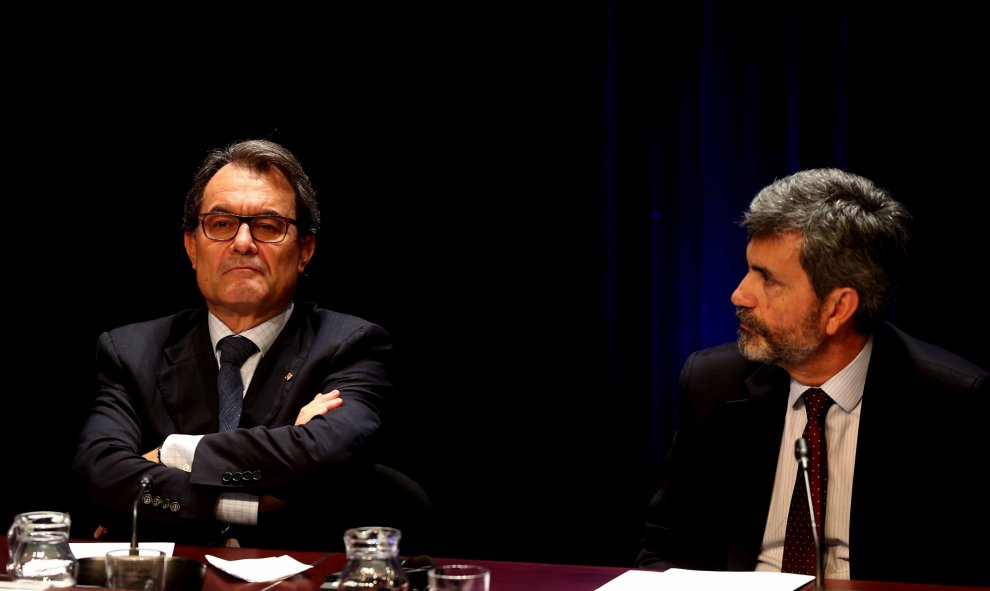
x=747 y=326
x=245 y=268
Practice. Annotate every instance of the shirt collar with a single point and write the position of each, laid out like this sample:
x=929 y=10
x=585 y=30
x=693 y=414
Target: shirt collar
x=263 y=335
x=845 y=387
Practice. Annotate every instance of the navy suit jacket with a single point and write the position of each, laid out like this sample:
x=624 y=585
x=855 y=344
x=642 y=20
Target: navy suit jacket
x=159 y=377
x=919 y=512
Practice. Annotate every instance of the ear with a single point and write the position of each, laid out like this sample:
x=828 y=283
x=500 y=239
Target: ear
x=840 y=305
x=307 y=246
x=190 y=241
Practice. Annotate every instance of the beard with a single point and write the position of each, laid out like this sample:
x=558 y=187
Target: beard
x=784 y=346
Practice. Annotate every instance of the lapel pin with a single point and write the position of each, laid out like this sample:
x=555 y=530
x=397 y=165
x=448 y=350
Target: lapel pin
x=288 y=376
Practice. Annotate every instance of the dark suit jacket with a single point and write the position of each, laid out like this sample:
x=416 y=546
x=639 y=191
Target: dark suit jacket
x=159 y=377
x=919 y=512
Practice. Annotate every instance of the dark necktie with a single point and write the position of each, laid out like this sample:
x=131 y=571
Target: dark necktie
x=799 y=543
x=234 y=351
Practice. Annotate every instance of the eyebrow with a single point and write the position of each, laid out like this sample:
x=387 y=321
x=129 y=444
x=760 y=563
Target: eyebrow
x=217 y=209
x=763 y=271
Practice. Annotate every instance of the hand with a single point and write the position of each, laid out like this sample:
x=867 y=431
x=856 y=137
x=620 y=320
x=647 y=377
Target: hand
x=153 y=456
x=100 y=532
x=321 y=405
x=269 y=503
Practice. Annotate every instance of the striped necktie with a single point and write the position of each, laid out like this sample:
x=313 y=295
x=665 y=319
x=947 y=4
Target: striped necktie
x=234 y=351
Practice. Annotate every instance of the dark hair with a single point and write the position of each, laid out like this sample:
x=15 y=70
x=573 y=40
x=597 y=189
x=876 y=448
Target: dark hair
x=257 y=155
x=855 y=234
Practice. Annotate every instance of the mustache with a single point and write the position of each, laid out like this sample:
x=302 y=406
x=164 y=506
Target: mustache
x=746 y=317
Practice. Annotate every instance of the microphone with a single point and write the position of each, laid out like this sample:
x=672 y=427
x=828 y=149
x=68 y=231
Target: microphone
x=416 y=568
x=421 y=562
x=144 y=487
x=801 y=454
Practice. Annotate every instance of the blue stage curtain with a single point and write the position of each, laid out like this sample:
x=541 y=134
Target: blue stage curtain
x=707 y=102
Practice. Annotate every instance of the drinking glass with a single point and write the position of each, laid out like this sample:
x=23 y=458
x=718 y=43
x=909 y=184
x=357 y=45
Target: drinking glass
x=458 y=577
x=136 y=568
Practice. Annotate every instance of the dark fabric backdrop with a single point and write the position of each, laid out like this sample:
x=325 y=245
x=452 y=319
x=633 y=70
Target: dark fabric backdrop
x=538 y=201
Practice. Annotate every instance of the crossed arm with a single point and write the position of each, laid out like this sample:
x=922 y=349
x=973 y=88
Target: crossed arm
x=320 y=405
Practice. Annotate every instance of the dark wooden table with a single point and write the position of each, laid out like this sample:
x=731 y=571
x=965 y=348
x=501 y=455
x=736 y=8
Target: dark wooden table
x=506 y=576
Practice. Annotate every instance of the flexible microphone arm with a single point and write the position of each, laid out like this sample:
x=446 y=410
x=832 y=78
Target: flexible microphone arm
x=801 y=453
x=145 y=487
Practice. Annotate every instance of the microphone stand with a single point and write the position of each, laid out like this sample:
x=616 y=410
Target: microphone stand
x=145 y=487
x=819 y=563
x=801 y=451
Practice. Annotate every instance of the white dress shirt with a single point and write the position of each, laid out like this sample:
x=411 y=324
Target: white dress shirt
x=841 y=429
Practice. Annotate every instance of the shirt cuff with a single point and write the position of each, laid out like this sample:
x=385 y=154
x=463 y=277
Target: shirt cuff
x=178 y=451
x=238 y=508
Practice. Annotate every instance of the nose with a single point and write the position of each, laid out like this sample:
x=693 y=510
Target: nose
x=741 y=297
x=243 y=239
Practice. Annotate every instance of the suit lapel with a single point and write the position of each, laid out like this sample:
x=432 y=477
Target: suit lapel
x=276 y=377
x=187 y=381
x=756 y=426
x=890 y=410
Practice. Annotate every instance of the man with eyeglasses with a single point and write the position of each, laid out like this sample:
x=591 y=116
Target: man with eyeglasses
x=287 y=472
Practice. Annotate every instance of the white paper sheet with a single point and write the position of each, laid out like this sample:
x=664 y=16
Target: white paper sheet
x=677 y=579
x=260 y=570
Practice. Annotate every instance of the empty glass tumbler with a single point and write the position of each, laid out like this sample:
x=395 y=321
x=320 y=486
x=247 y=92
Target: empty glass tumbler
x=38 y=548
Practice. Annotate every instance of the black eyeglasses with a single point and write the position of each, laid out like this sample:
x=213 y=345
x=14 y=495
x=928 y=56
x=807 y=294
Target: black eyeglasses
x=264 y=228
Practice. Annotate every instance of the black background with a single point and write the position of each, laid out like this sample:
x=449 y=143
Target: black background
x=460 y=156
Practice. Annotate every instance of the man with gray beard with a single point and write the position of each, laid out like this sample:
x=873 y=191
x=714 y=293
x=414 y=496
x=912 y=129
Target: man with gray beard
x=903 y=430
